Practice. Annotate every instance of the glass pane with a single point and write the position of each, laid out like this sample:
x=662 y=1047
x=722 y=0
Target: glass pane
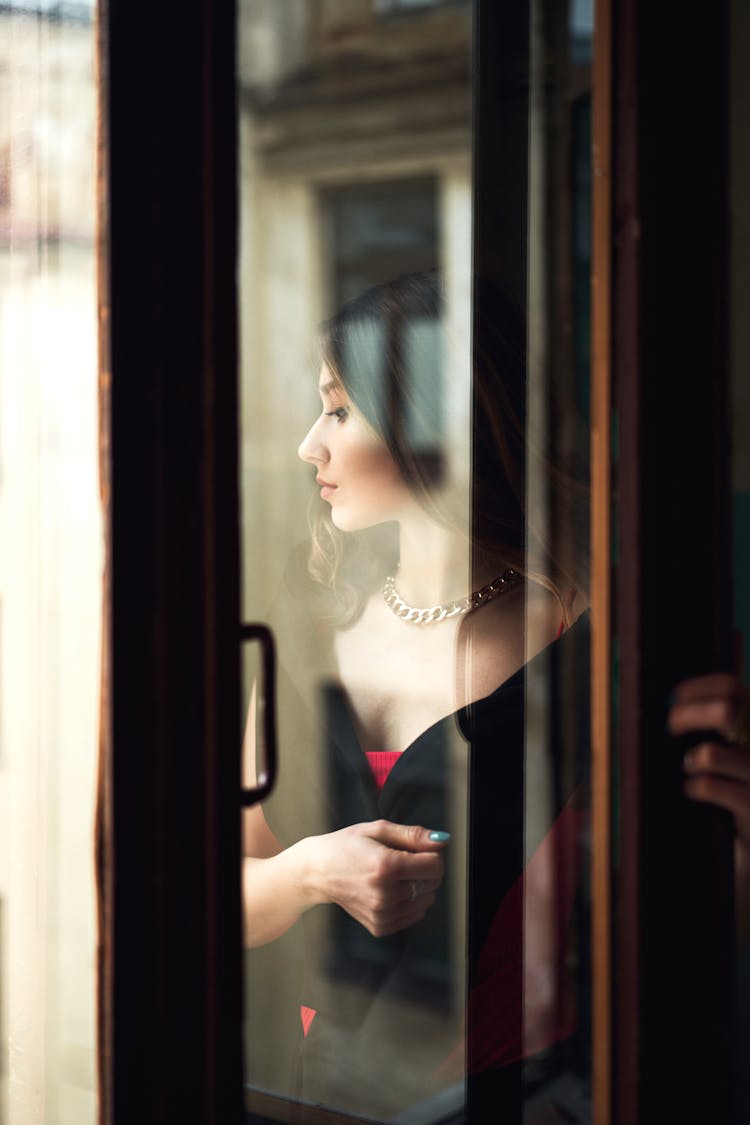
x=50 y=579
x=414 y=510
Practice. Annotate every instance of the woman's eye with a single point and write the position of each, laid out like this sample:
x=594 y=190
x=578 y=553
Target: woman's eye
x=341 y=413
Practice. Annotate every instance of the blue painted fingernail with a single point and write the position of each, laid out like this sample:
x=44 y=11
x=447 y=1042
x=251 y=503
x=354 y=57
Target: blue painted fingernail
x=440 y=837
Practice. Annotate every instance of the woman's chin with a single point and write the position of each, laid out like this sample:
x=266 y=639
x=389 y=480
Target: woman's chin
x=347 y=520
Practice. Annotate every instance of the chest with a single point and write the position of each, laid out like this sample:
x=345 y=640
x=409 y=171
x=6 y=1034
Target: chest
x=397 y=685
x=401 y=679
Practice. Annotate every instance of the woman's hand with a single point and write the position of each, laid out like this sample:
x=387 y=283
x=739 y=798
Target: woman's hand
x=718 y=769
x=384 y=875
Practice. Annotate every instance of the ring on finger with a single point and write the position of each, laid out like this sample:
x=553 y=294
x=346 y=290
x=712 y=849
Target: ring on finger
x=415 y=889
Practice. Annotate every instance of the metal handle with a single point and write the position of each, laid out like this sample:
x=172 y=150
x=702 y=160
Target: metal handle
x=267 y=779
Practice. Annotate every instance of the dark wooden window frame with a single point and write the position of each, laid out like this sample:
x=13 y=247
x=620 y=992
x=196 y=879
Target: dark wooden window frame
x=170 y=1006
x=673 y=933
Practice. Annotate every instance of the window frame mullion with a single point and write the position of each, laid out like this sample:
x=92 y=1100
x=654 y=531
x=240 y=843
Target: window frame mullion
x=170 y=1008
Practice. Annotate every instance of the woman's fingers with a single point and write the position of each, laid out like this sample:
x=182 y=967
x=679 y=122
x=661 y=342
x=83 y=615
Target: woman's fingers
x=720 y=775
x=717 y=770
x=717 y=702
x=390 y=921
x=406 y=837
x=405 y=873
x=708 y=714
x=412 y=889
x=394 y=868
x=717 y=685
x=393 y=874
x=383 y=886
x=731 y=762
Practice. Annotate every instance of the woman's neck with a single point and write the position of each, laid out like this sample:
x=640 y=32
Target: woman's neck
x=435 y=563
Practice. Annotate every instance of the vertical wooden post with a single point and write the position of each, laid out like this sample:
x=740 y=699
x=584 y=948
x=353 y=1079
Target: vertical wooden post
x=601 y=564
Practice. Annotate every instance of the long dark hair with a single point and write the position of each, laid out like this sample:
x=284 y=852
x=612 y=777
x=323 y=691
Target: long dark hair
x=369 y=347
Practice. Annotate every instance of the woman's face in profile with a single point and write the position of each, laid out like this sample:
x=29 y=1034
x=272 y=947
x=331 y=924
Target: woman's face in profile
x=356 y=473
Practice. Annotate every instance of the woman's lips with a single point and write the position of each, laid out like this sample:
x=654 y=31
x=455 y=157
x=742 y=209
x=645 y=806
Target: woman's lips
x=326 y=489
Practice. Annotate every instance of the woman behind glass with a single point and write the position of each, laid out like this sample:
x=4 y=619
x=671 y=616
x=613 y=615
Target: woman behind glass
x=408 y=644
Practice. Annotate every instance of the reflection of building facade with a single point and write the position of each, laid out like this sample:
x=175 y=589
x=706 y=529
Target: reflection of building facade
x=50 y=571
x=356 y=167
x=355 y=154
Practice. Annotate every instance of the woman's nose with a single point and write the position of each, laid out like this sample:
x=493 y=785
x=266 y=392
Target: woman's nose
x=311 y=448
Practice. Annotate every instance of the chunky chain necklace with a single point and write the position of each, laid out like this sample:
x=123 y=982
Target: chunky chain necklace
x=432 y=614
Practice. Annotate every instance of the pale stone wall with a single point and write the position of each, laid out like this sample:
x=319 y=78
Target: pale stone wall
x=303 y=130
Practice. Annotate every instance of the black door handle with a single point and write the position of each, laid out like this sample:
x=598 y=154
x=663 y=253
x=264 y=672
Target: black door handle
x=267 y=701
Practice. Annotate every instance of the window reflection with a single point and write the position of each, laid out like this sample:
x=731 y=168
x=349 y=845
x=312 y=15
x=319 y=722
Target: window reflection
x=356 y=155
x=387 y=6
x=379 y=231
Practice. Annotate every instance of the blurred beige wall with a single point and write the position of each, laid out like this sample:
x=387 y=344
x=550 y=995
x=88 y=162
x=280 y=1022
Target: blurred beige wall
x=333 y=96
x=50 y=570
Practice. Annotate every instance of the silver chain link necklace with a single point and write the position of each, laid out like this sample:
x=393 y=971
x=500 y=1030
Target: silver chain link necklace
x=432 y=614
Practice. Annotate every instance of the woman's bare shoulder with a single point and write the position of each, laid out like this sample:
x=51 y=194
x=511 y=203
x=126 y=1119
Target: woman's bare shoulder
x=502 y=637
